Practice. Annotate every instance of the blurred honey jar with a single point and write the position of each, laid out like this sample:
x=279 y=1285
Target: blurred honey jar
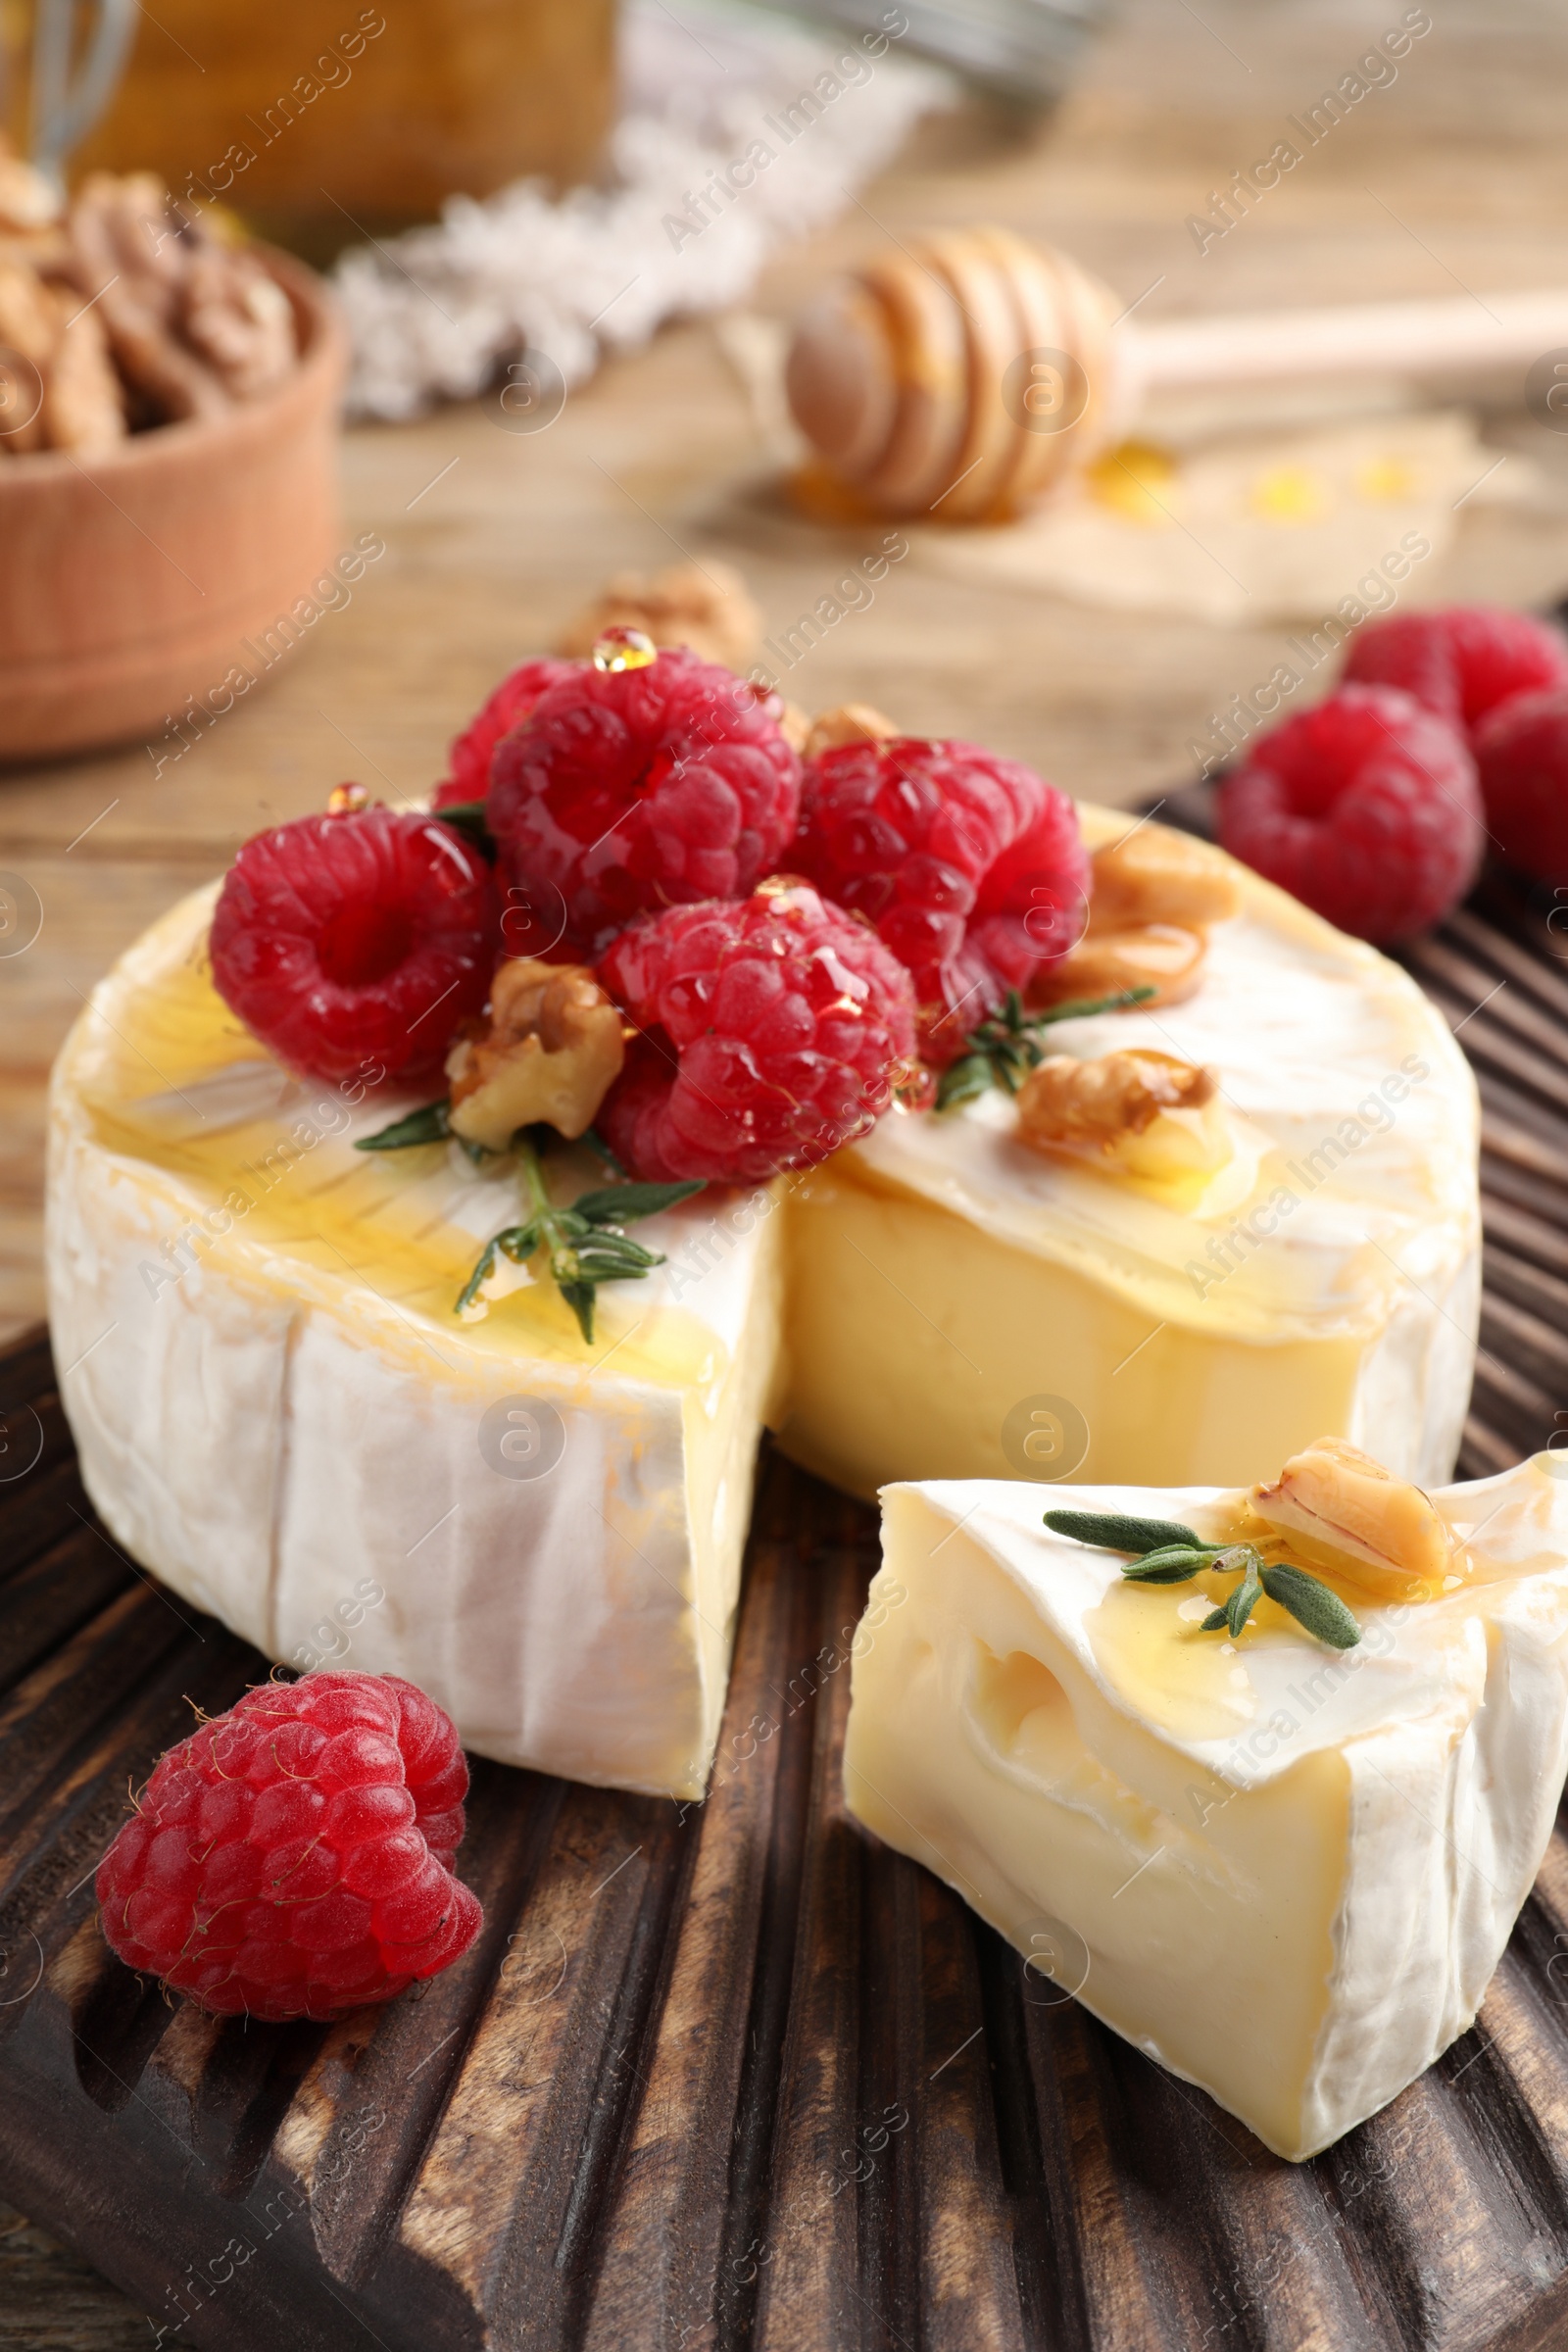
x=321 y=121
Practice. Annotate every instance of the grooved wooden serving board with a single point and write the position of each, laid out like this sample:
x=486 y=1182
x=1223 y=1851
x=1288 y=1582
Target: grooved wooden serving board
x=732 y=2075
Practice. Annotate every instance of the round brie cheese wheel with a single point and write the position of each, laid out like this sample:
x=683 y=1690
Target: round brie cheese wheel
x=280 y=1414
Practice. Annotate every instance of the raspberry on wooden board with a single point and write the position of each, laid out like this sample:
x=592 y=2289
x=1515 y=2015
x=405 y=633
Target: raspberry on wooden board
x=362 y=938
x=969 y=865
x=630 y=789
x=1365 y=808
x=1462 y=662
x=293 y=1858
x=772 y=1031
x=1522 y=753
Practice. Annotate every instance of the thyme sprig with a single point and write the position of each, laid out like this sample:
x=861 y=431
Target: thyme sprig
x=585 y=1245
x=430 y=1125
x=1168 y=1554
x=1009 y=1045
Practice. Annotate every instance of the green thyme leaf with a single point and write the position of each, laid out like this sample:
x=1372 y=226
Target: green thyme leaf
x=625 y=1203
x=1311 y=1603
x=1117 y=1531
x=519 y=1243
x=431 y=1125
x=1006 y=1046
x=1244 y=1600
x=584 y=1242
x=516 y=1242
x=580 y=1297
x=1171 y=1567
x=1079 y=1009
x=468 y=818
x=1169 y=1553
x=623 y=1261
x=963 y=1081
x=601 y=1151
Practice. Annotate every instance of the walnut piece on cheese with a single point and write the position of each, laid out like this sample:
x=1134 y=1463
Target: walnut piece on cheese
x=1153 y=894
x=1164 y=956
x=1344 y=1510
x=847 y=722
x=707 y=607
x=553 y=1049
x=1102 y=1103
x=1158 y=875
x=795 y=725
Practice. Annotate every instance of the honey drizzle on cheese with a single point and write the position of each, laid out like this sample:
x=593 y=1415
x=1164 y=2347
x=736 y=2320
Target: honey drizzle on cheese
x=1148 y=1639
x=307 y=1211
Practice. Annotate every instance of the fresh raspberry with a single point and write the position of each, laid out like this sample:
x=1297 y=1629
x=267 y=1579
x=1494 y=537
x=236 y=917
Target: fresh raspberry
x=1522 y=753
x=773 y=1031
x=970 y=868
x=633 y=789
x=1365 y=808
x=468 y=756
x=1460 y=663
x=293 y=1858
x=347 y=940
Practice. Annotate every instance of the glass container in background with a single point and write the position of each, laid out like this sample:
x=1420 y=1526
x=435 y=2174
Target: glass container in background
x=321 y=121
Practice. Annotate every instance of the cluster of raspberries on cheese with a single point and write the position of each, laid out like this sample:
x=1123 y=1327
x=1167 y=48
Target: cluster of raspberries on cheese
x=795 y=940
x=1376 y=805
x=789 y=939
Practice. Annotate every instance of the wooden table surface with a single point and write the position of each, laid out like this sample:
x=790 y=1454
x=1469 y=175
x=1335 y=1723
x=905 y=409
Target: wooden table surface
x=1456 y=178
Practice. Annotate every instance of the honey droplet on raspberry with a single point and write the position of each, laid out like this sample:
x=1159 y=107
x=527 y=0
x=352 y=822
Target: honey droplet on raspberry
x=347 y=800
x=624 y=648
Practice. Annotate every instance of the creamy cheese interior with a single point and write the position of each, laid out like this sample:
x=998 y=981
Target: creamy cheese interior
x=1324 y=1280
x=1286 y=1873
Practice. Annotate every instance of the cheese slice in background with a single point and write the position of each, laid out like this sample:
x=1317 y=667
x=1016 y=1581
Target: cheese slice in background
x=947 y=1284
x=1286 y=1873
x=277 y=1411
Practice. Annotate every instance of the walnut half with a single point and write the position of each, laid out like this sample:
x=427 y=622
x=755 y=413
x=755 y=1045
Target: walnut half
x=1344 y=1510
x=553 y=1049
x=1118 y=1107
x=1164 y=956
x=847 y=722
x=705 y=607
x=1157 y=875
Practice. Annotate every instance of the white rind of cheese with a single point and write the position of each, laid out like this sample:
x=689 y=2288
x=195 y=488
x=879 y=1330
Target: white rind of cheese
x=292 y=1442
x=1284 y=1872
x=1327 y=1280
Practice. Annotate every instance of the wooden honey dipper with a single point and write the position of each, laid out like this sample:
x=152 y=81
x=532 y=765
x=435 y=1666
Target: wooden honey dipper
x=965 y=376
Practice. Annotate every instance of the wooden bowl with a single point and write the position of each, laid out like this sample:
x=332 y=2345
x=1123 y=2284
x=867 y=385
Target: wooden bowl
x=130 y=582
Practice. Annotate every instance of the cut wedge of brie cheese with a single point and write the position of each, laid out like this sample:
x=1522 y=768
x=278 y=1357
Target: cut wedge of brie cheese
x=1285 y=1871
x=279 y=1413
x=961 y=1306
